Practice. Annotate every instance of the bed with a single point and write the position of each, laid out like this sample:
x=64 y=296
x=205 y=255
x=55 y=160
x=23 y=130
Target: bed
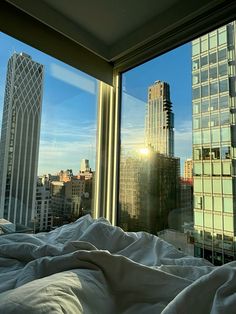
x=90 y=266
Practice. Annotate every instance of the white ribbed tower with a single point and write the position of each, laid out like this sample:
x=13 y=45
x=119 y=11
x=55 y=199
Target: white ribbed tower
x=20 y=138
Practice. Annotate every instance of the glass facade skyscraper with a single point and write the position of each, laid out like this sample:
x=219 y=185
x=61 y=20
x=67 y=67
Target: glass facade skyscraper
x=214 y=144
x=20 y=138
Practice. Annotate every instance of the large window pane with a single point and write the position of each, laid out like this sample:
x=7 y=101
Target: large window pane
x=52 y=149
x=153 y=96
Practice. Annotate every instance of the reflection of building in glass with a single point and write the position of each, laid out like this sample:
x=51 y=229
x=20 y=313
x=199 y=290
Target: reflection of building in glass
x=214 y=142
x=188 y=170
x=20 y=138
x=159 y=120
x=149 y=191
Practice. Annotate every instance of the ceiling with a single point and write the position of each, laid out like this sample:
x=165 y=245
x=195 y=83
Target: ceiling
x=111 y=28
x=103 y=37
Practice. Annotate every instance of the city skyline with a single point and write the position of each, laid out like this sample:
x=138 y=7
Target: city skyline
x=74 y=130
x=67 y=136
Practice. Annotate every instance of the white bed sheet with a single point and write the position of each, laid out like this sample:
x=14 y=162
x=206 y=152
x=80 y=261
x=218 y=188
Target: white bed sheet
x=92 y=267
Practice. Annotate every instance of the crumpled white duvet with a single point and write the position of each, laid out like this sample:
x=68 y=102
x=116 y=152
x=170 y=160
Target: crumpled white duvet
x=92 y=267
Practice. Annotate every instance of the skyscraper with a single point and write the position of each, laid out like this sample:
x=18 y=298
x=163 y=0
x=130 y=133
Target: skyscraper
x=20 y=138
x=150 y=178
x=214 y=144
x=159 y=120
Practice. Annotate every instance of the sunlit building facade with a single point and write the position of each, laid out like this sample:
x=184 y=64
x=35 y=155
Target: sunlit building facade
x=20 y=139
x=214 y=144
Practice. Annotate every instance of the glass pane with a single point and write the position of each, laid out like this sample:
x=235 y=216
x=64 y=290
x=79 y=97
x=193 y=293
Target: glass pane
x=224 y=118
x=223 y=69
x=216 y=185
x=229 y=223
x=207 y=185
x=216 y=169
x=204 y=61
x=212 y=58
x=217 y=203
x=197 y=137
x=225 y=152
x=225 y=134
x=207 y=168
x=51 y=154
x=214 y=103
x=206 y=136
x=218 y=222
x=222 y=54
x=228 y=204
x=213 y=72
x=195 y=78
x=196 y=48
x=222 y=35
x=213 y=40
x=208 y=220
x=224 y=86
x=204 y=91
x=154 y=95
x=223 y=102
x=204 y=76
x=213 y=88
x=208 y=202
x=215 y=135
x=196 y=93
x=204 y=43
x=195 y=64
x=227 y=186
x=205 y=105
x=196 y=108
x=198 y=218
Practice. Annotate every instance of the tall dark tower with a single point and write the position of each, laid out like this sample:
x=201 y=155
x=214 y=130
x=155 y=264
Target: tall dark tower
x=159 y=122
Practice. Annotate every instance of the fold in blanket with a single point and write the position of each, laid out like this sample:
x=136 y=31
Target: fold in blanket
x=92 y=267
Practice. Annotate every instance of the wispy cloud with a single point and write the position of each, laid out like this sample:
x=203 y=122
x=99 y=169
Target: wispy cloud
x=70 y=77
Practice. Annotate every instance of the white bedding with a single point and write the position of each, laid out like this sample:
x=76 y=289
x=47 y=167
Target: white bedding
x=92 y=267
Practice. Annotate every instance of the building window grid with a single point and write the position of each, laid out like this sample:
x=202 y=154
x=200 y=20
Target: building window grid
x=198 y=113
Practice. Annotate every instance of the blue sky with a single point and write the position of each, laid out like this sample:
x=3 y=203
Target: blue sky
x=68 y=125
x=174 y=68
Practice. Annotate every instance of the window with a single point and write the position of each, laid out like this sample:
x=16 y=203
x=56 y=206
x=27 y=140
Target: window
x=196 y=48
x=56 y=118
x=205 y=105
x=196 y=93
x=213 y=88
x=222 y=35
x=213 y=73
x=223 y=69
x=225 y=134
x=223 y=86
x=212 y=58
x=213 y=39
x=215 y=135
x=225 y=152
x=208 y=202
x=204 y=76
x=223 y=102
x=222 y=54
x=224 y=118
x=204 y=91
x=204 y=61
